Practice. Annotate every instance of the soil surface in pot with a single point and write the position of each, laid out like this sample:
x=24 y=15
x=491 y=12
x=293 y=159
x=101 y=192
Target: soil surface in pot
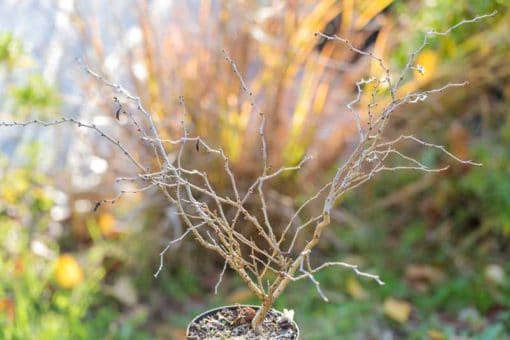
x=234 y=322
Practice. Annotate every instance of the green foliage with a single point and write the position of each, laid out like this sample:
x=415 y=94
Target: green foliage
x=490 y=187
x=35 y=94
x=31 y=92
x=11 y=50
x=439 y=15
x=32 y=303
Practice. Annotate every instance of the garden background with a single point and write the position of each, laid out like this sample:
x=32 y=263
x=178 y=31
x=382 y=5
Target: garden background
x=440 y=241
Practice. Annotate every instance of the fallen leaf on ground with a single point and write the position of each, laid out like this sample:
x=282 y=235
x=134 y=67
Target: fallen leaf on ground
x=124 y=291
x=398 y=310
x=420 y=277
x=415 y=272
x=495 y=274
x=435 y=335
x=356 y=290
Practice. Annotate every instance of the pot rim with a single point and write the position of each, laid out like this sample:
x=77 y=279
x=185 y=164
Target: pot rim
x=256 y=307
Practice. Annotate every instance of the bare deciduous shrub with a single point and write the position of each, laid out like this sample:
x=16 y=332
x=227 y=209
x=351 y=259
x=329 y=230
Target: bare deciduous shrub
x=219 y=221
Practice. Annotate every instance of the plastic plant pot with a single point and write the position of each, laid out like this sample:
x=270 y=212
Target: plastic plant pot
x=235 y=321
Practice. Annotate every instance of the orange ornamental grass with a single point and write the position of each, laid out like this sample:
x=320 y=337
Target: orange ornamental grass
x=301 y=82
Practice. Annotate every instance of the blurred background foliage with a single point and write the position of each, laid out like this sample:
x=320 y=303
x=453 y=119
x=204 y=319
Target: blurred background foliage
x=440 y=241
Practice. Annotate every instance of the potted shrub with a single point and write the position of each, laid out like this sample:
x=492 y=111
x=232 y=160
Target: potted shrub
x=225 y=222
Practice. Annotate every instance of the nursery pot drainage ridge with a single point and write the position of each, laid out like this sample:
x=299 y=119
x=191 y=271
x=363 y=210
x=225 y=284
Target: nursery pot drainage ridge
x=234 y=322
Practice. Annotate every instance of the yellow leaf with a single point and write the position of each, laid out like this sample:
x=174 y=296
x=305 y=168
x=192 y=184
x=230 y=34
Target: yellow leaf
x=435 y=335
x=106 y=224
x=426 y=63
x=68 y=272
x=355 y=289
x=398 y=310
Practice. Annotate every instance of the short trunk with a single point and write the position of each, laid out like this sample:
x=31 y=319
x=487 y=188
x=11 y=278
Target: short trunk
x=261 y=313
